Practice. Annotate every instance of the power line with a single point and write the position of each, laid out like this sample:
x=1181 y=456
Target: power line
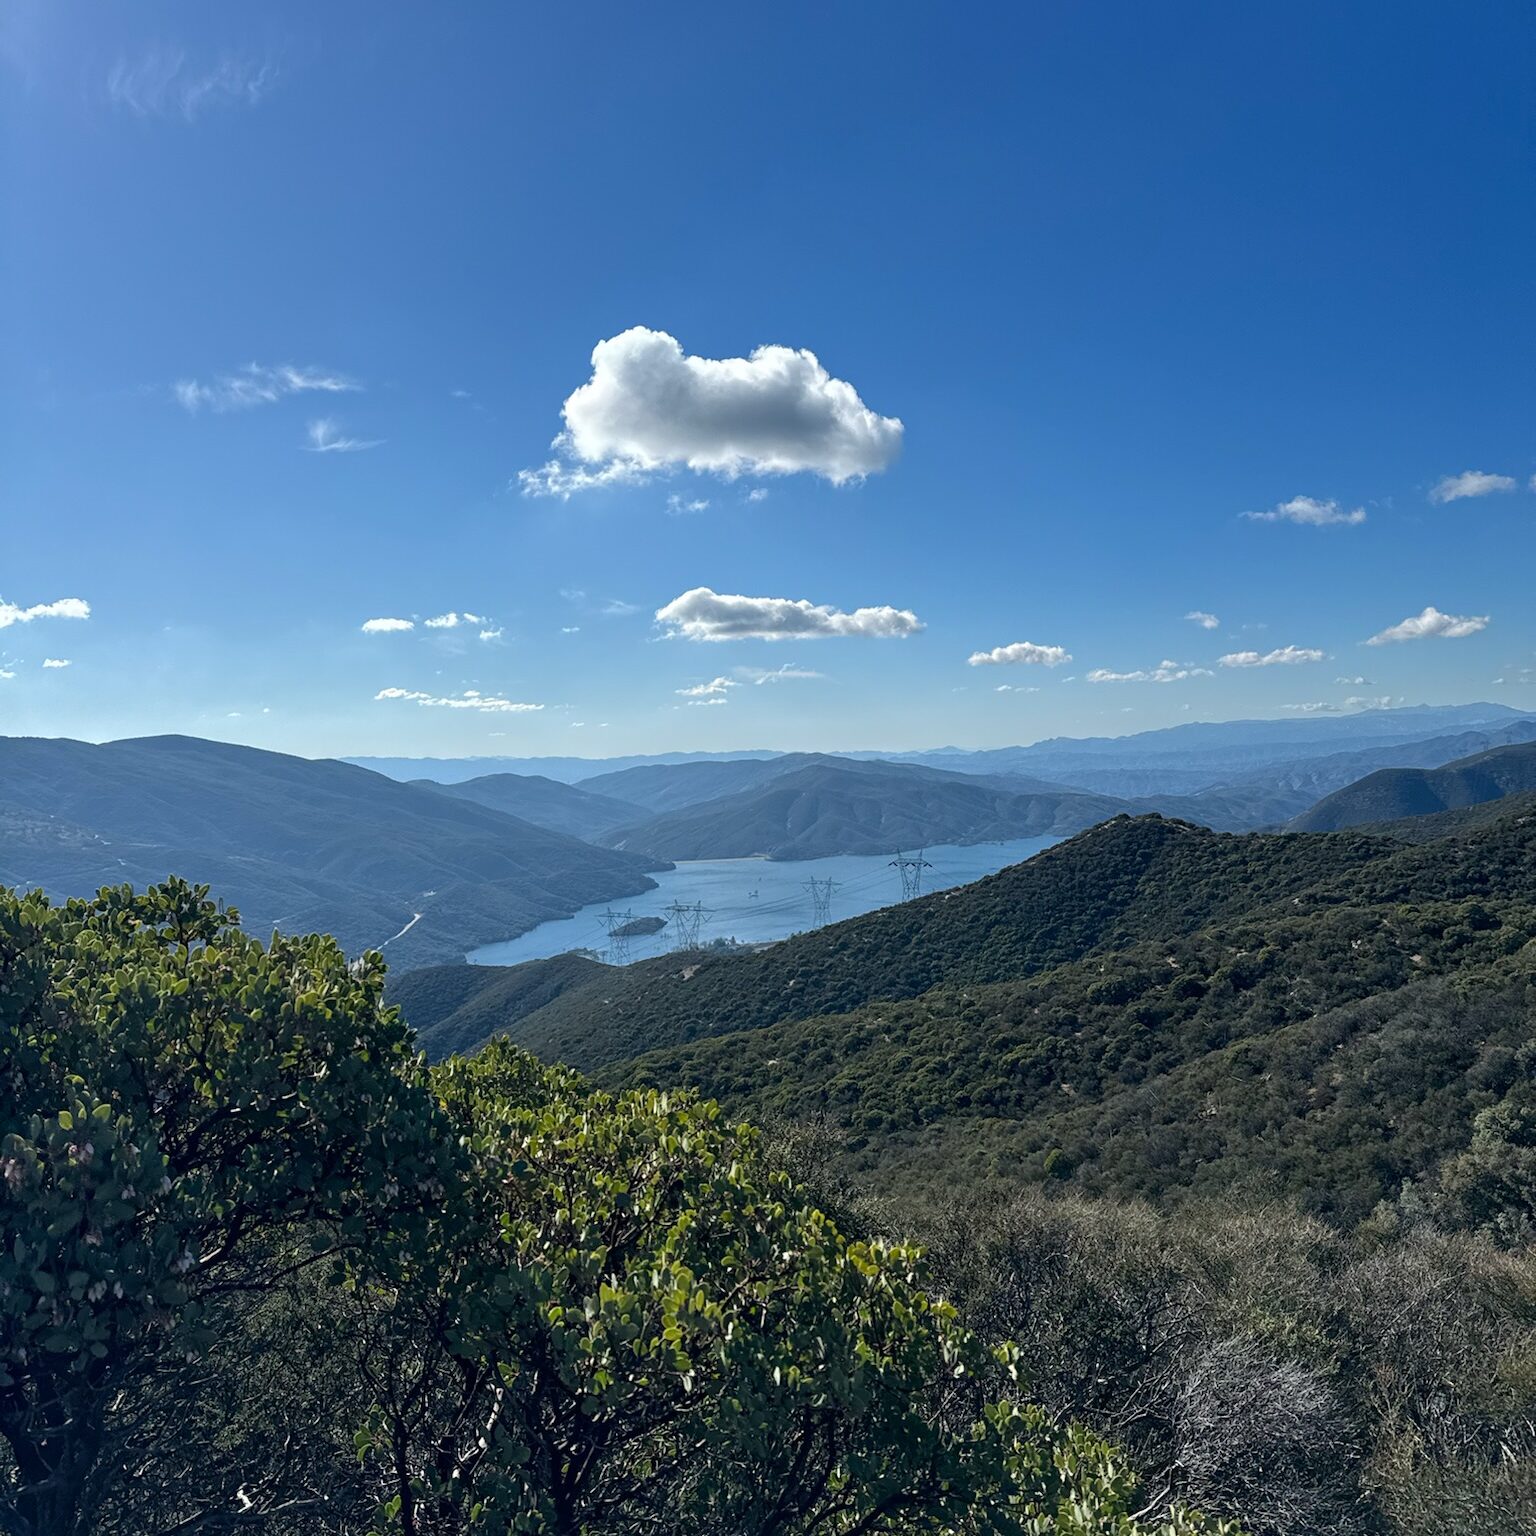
x=686 y=921
x=821 y=898
x=910 y=867
x=617 y=924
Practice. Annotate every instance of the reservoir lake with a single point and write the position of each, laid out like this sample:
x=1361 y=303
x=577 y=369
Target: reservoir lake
x=756 y=901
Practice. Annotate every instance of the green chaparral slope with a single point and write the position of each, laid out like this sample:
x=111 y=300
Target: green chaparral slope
x=1127 y=879
x=1322 y=1041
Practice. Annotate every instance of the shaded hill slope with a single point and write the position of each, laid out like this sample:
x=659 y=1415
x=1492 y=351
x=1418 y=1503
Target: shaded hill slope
x=834 y=807
x=542 y=801
x=1393 y=794
x=294 y=844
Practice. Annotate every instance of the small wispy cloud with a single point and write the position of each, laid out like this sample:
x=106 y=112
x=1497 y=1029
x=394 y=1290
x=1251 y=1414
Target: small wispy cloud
x=564 y=480
x=678 y=506
x=1431 y=624
x=714 y=690
x=453 y=620
x=1163 y=672
x=56 y=662
x=785 y=674
x=1283 y=656
x=387 y=626
x=326 y=437
x=1203 y=619
x=256 y=384
x=1469 y=483
x=60 y=608
x=471 y=699
x=1310 y=511
x=760 y=493
x=162 y=82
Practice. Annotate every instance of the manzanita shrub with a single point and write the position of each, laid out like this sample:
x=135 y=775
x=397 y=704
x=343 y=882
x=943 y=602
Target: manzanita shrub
x=184 y=1113
x=646 y=1329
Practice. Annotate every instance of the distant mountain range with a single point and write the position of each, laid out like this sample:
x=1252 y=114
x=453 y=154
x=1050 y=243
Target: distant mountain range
x=1176 y=760
x=812 y=805
x=1392 y=794
x=294 y=844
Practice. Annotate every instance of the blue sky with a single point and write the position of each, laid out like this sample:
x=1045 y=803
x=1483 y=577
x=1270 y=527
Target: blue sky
x=293 y=295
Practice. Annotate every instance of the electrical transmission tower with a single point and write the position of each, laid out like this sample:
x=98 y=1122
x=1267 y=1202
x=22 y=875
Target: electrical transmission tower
x=910 y=867
x=618 y=939
x=686 y=921
x=821 y=898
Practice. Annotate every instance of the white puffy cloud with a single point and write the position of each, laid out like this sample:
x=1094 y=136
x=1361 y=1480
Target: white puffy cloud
x=1023 y=653
x=471 y=698
x=1431 y=624
x=1310 y=511
x=715 y=688
x=1203 y=619
x=1469 y=483
x=56 y=661
x=495 y=632
x=649 y=406
x=1283 y=656
x=326 y=437
x=258 y=385
x=61 y=608
x=453 y=620
x=703 y=614
x=387 y=626
x=1163 y=672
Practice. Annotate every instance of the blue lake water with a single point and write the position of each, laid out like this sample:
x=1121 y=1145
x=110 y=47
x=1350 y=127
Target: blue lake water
x=780 y=906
